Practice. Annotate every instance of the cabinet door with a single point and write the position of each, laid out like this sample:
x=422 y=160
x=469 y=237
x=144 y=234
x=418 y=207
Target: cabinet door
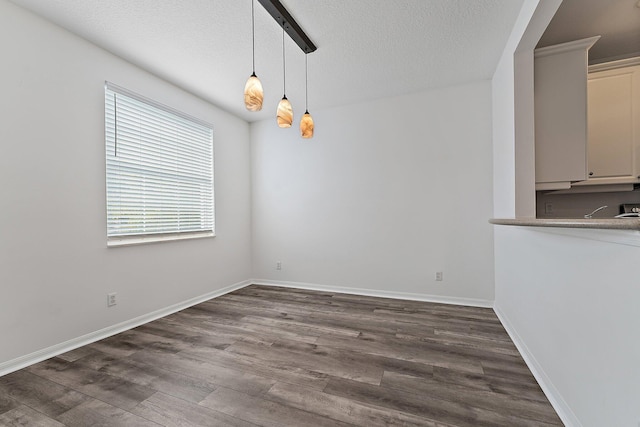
x=560 y=80
x=610 y=150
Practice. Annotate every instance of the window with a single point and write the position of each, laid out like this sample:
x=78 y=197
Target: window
x=159 y=171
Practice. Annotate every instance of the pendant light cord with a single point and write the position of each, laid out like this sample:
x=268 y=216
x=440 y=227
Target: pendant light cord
x=284 y=68
x=306 y=84
x=253 y=36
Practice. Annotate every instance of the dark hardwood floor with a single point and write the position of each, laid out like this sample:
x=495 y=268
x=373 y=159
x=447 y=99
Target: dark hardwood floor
x=271 y=356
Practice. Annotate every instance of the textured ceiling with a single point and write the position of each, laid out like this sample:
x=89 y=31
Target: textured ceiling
x=617 y=21
x=367 y=49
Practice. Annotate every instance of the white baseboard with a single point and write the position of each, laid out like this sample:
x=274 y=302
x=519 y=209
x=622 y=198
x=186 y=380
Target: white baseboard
x=46 y=353
x=564 y=411
x=378 y=293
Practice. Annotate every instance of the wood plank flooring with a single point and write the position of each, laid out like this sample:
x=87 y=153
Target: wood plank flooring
x=269 y=356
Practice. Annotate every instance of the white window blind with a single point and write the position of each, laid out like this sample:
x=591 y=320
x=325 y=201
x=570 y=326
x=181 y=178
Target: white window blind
x=159 y=169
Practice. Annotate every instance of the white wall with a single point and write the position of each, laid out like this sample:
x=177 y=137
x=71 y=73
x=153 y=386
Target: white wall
x=55 y=269
x=384 y=195
x=570 y=300
x=504 y=155
x=513 y=123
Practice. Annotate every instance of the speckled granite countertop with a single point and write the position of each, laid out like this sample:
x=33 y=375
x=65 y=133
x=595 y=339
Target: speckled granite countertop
x=601 y=223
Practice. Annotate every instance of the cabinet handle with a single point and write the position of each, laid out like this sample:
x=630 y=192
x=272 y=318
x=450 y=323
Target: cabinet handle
x=590 y=173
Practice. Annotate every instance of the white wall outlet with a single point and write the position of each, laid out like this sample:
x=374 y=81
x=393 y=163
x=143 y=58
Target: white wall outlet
x=548 y=208
x=279 y=265
x=438 y=276
x=112 y=299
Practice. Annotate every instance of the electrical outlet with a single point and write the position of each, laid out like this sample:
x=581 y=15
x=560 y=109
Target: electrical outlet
x=438 y=276
x=548 y=208
x=112 y=299
x=279 y=265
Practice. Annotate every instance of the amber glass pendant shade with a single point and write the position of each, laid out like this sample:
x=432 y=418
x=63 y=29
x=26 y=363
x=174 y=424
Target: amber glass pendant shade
x=306 y=125
x=253 y=94
x=285 y=113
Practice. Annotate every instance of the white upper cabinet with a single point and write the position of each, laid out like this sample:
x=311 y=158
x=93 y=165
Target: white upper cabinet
x=560 y=84
x=613 y=149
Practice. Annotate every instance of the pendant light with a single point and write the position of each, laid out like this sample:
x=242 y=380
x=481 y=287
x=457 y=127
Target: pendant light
x=253 y=93
x=284 y=114
x=306 y=123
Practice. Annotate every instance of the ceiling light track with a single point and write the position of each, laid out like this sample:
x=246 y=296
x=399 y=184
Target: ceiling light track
x=286 y=21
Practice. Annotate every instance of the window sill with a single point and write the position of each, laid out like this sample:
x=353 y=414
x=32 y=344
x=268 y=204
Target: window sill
x=143 y=240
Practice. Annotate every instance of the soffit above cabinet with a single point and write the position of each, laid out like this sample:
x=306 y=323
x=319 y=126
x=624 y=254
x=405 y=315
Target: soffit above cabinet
x=617 y=21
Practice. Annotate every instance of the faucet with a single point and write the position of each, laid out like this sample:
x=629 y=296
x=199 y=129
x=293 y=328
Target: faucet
x=590 y=215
